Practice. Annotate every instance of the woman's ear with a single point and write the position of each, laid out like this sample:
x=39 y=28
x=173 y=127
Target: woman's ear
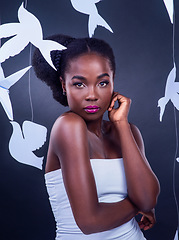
x=63 y=84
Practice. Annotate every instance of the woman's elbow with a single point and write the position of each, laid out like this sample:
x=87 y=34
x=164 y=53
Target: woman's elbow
x=148 y=200
x=88 y=226
x=146 y=203
x=86 y=230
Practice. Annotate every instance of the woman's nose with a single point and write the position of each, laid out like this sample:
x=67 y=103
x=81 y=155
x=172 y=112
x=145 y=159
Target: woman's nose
x=91 y=95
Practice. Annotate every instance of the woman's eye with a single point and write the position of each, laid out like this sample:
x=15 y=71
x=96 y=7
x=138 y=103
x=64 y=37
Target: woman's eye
x=79 y=85
x=103 y=84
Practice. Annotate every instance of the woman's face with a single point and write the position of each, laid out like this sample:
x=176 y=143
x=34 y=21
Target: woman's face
x=89 y=86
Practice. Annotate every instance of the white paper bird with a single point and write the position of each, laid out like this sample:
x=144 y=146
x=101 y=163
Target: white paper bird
x=27 y=30
x=171 y=93
x=176 y=235
x=23 y=142
x=169 y=7
x=5 y=84
x=88 y=7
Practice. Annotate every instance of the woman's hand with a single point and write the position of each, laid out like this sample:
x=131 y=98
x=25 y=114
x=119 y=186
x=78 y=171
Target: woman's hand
x=148 y=220
x=121 y=112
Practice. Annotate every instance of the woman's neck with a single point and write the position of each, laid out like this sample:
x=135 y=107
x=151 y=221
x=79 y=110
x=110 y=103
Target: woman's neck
x=96 y=127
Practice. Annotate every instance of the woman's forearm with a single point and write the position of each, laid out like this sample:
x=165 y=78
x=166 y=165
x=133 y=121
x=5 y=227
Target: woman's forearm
x=143 y=186
x=108 y=216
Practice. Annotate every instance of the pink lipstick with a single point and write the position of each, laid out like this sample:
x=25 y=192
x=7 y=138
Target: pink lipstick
x=91 y=109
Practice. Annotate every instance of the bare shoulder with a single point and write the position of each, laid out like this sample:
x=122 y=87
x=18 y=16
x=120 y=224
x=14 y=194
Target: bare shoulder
x=138 y=137
x=69 y=141
x=67 y=129
x=134 y=129
x=70 y=117
x=68 y=120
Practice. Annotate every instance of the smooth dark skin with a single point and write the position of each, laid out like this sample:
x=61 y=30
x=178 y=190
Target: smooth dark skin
x=78 y=136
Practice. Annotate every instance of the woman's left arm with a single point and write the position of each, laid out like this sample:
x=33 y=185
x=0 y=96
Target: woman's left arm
x=143 y=186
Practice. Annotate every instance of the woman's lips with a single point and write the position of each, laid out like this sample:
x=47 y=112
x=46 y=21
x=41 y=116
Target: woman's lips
x=91 y=109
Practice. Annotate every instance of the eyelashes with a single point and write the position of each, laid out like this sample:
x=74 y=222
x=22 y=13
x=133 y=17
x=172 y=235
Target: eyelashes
x=81 y=85
x=103 y=83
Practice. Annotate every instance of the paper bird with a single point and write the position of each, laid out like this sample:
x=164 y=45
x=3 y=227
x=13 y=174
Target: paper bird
x=171 y=93
x=5 y=84
x=176 y=235
x=23 y=142
x=27 y=30
x=88 y=7
x=169 y=7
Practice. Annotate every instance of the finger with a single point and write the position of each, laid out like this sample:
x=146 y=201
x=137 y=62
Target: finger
x=151 y=219
x=148 y=227
x=112 y=103
x=115 y=94
x=141 y=225
x=147 y=224
x=120 y=98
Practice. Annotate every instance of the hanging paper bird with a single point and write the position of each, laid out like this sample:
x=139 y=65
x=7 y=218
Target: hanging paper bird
x=176 y=235
x=88 y=7
x=5 y=84
x=169 y=7
x=171 y=93
x=23 y=142
x=27 y=30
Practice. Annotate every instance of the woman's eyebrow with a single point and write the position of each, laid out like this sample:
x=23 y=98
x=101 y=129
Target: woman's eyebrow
x=103 y=75
x=78 y=77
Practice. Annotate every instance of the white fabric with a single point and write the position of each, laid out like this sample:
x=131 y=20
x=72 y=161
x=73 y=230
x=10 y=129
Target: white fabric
x=111 y=187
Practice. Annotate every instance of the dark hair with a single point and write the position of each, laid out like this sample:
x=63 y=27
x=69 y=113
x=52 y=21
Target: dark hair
x=60 y=59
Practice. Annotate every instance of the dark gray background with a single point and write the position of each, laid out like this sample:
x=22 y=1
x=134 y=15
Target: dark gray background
x=142 y=42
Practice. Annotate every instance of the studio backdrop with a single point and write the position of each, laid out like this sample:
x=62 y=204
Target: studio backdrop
x=145 y=38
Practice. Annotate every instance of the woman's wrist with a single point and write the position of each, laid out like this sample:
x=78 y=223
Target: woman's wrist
x=121 y=123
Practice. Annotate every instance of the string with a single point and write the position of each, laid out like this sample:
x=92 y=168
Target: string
x=173 y=33
x=29 y=82
x=25 y=4
x=30 y=96
x=174 y=168
x=176 y=129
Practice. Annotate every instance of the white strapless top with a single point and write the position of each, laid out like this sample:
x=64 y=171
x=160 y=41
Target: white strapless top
x=111 y=187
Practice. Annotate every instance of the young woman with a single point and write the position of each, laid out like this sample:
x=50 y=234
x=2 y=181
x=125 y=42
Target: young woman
x=97 y=175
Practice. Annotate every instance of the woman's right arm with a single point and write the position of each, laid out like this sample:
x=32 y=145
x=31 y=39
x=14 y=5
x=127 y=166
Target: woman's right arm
x=70 y=143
